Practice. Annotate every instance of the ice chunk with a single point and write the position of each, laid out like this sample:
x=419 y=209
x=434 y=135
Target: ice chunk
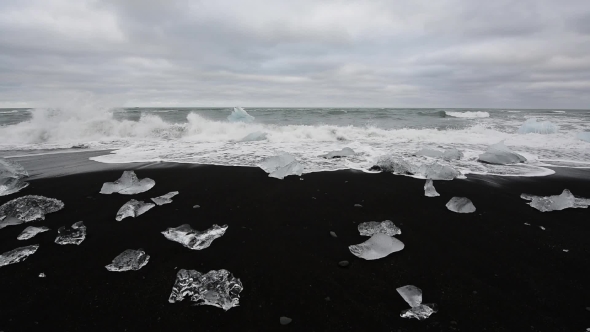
x=584 y=136
x=255 y=136
x=345 y=152
x=240 y=115
x=217 y=288
x=12 y=169
x=500 y=154
x=129 y=260
x=133 y=209
x=378 y=246
x=374 y=227
x=165 y=199
x=396 y=165
x=532 y=126
x=293 y=168
x=29 y=208
x=127 y=184
x=460 y=205
x=194 y=239
x=452 y=154
x=557 y=202
x=411 y=294
x=429 y=190
x=420 y=312
x=11 y=185
x=10 y=221
x=437 y=171
x=31 y=231
x=271 y=164
x=429 y=153
x=71 y=235
x=17 y=255
x=42 y=275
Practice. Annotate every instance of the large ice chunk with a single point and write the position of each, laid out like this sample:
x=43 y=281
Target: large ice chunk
x=31 y=231
x=17 y=255
x=255 y=136
x=129 y=260
x=29 y=208
x=293 y=168
x=374 y=227
x=413 y=295
x=11 y=185
x=584 y=136
x=133 y=208
x=378 y=246
x=281 y=166
x=500 y=154
x=194 y=239
x=71 y=235
x=345 y=152
x=165 y=199
x=217 y=288
x=557 y=202
x=127 y=184
x=429 y=190
x=11 y=169
x=452 y=154
x=460 y=205
x=436 y=171
x=396 y=165
x=532 y=126
x=240 y=115
x=432 y=153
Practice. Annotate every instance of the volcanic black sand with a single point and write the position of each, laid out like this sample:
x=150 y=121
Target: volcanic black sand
x=487 y=270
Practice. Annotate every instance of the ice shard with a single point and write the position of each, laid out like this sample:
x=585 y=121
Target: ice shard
x=17 y=255
x=240 y=115
x=133 y=208
x=429 y=190
x=11 y=185
x=255 y=136
x=71 y=235
x=429 y=153
x=396 y=165
x=452 y=154
x=127 y=184
x=194 y=239
x=11 y=169
x=557 y=202
x=31 y=231
x=129 y=260
x=217 y=288
x=374 y=227
x=436 y=171
x=413 y=295
x=293 y=168
x=460 y=205
x=500 y=154
x=345 y=152
x=542 y=127
x=165 y=199
x=10 y=221
x=29 y=208
x=378 y=246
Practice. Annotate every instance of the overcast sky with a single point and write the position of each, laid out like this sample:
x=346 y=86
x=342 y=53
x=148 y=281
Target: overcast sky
x=418 y=53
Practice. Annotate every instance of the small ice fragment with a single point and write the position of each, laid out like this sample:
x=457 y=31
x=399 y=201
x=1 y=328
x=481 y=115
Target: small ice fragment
x=165 y=199
x=133 y=208
x=240 y=115
x=285 y=320
x=557 y=202
x=332 y=234
x=396 y=165
x=452 y=154
x=29 y=208
x=420 y=312
x=411 y=294
x=217 y=288
x=542 y=228
x=196 y=206
x=532 y=126
x=358 y=205
x=526 y=223
x=343 y=263
x=345 y=152
x=31 y=231
x=10 y=185
x=460 y=205
x=128 y=184
x=293 y=168
x=429 y=190
x=565 y=250
x=194 y=239
x=432 y=153
x=300 y=179
x=42 y=275
x=374 y=227
x=12 y=169
x=71 y=235
x=378 y=246
x=129 y=260
x=437 y=171
x=17 y=255
x=500 y=154
x=255 y=136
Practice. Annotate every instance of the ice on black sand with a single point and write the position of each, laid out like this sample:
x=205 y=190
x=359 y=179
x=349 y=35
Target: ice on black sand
x=194 y=239
x=285 y=320
x=133 y=208
x=17 y=255
x=333 y=234
x=394 y=164
x=557 y=202
x=436 y=171
x=500 y=154
x=217 y=288
x=460 y=205
x=281 y=166
x=42 y=275
x=31 y=231
x=165 y=199
x=27 y=208
x=129 y=260
x=378 y=246
x=128 y=184
x=71 y=235
x=429 y=190
x=374 y=227
x=413 y=295
x=345 y=152
x=11 y=177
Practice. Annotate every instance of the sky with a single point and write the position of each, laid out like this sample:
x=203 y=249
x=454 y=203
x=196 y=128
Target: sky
x=304 y=53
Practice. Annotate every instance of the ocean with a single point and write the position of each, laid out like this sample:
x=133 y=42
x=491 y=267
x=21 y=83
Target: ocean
x=207 y=136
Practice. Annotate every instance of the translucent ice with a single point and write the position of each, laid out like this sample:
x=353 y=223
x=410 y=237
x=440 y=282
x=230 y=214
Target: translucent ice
x=411 y=294
x=240 y=115
x=271 y=164
x=10 y=221
x=557 y=202
x=255 y=136
x=127 y=184
x=452 y=154
x=17 y=255
x=345 y=152
x=584 y=136
x=429 y=153
x=129 y=260
x=374 y=227
x=396 y=165
x=293 y=168
x=11 y=185
x=532 y=126
x=460 y=205
x=11 y=169
x=437 y=171
x=29 y=208
x=133 y=208
x=217 y=288
x=500 y=154
x=165 y=199
x=31 y=231
x=378 y=246
x=194 y=239
x=429 y=190
x=71 y=235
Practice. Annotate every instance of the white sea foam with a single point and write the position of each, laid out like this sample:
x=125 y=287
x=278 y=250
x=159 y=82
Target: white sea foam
x=468 y=115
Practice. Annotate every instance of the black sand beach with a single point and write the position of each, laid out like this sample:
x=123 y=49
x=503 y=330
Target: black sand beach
x=487 y=271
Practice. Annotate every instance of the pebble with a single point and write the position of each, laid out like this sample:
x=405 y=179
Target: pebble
x=333 y=234
x=344 y=263
x=285 y=320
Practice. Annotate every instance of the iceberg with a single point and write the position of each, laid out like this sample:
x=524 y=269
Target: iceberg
x=452 y=154
x=11 y=185
x=194 y=239
x=436 y=171
x=17 y=255
x=557 y=202
x=429 y=190
x=217 y=288
x=11 y=169
x=293 y=168
x=29 y=208
x=432 y=153
x=71 y=235
x=584 y=136
x=240 y=115
x=460 y=205
x=129 y=260
x=532 y=126
x=396 y=165
x=413 y=295
x=255 y=136
x=31 y=231
x=133 y=209
x=165 y=199
x=374 y=227
x=127 y=184
x=345 y=152
x=378 y=246
x=500 y=154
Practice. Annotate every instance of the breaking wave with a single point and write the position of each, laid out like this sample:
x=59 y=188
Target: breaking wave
x=468 y=115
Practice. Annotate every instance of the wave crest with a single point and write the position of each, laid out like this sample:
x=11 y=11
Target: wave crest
x=468 y=115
